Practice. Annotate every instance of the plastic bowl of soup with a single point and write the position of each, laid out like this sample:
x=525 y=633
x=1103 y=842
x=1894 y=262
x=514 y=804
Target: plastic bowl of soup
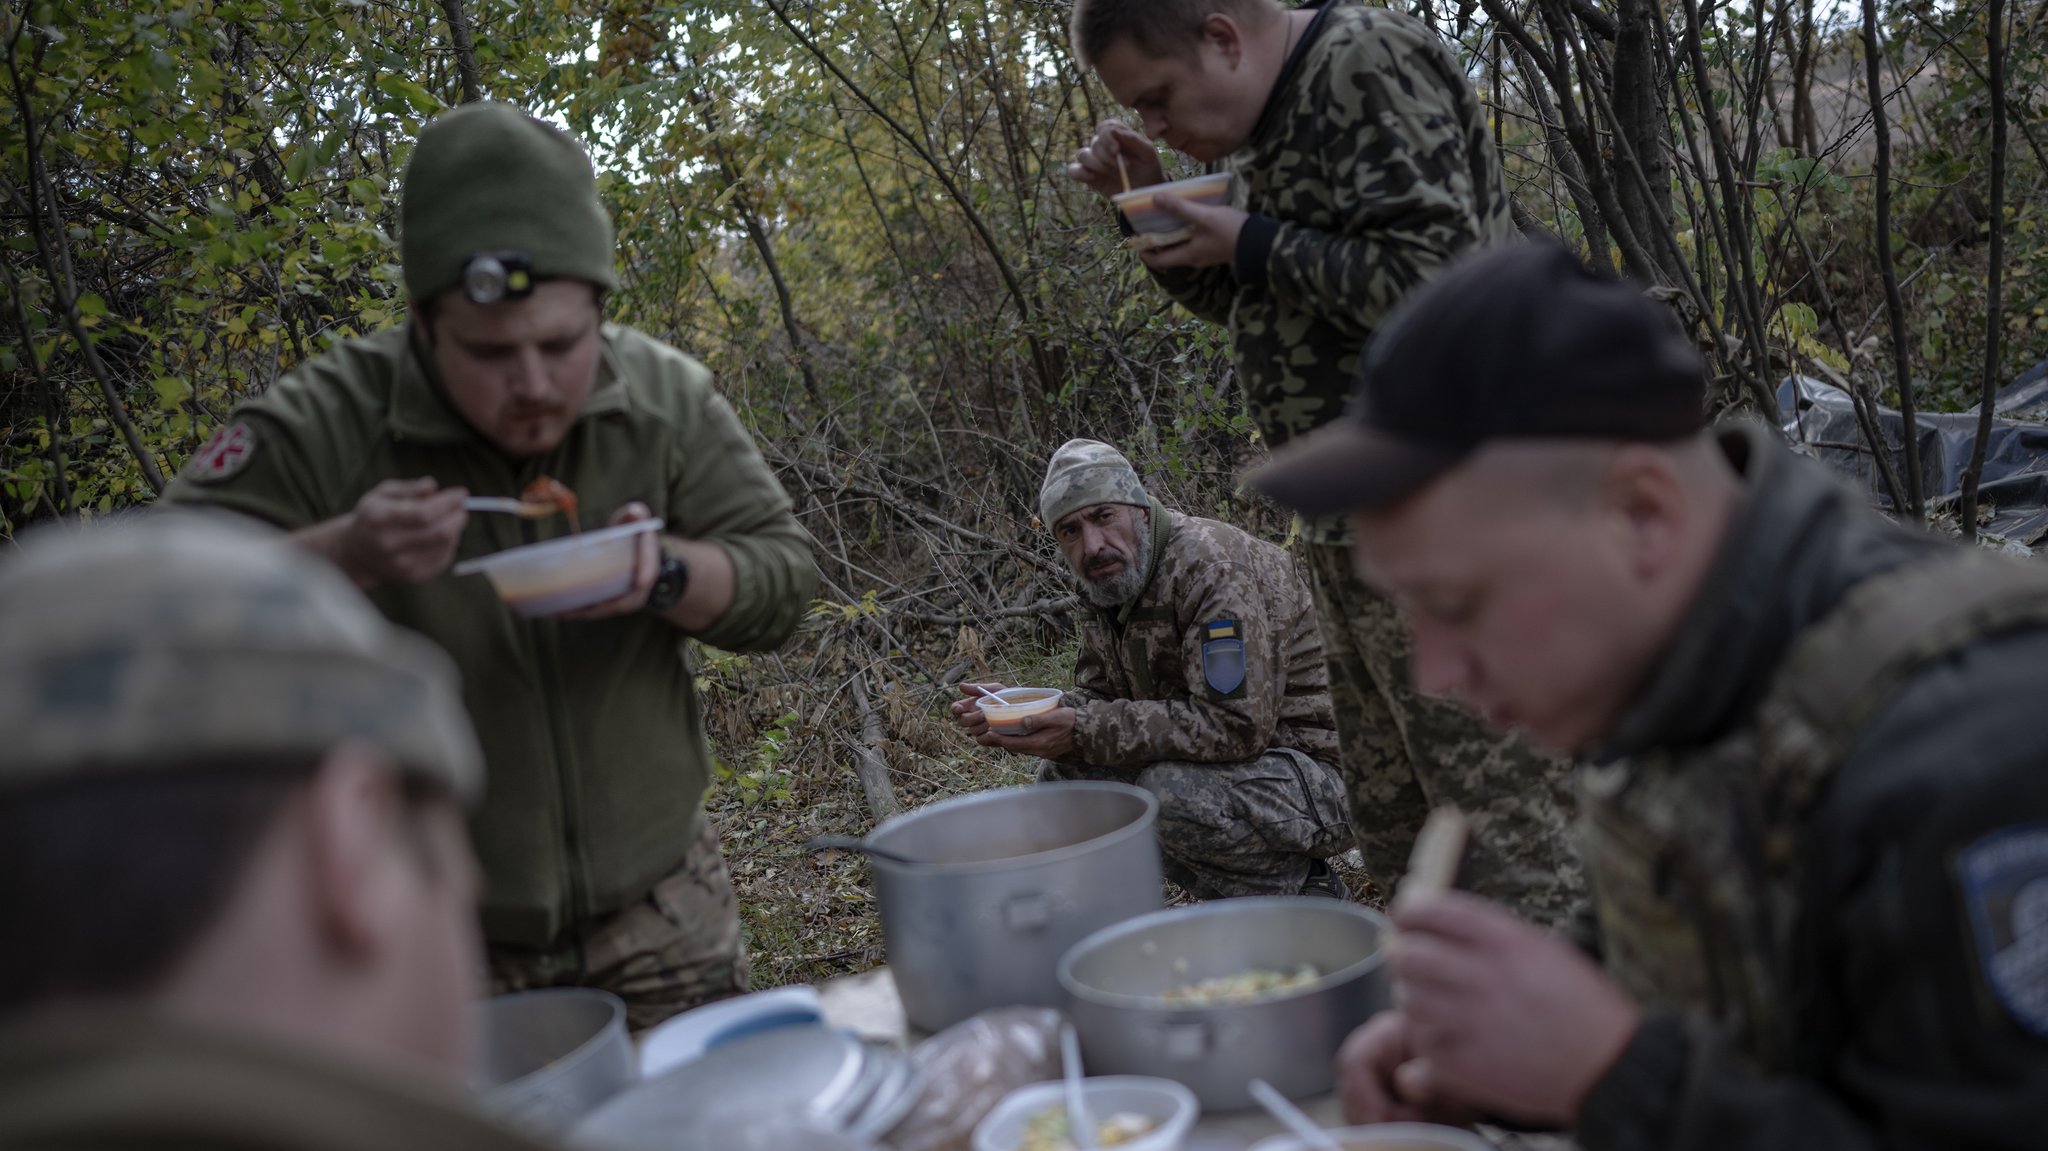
x=1147 y=219
x=564 y=574
x=1128 y=1112
x=1010 y=707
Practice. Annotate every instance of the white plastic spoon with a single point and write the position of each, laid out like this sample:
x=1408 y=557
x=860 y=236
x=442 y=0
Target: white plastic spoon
x=1291 y=1117
x=509 y=506
x=1078 y=1124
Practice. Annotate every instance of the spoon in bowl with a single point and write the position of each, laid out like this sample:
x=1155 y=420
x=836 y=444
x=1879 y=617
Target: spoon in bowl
x=1302 y=1127
x=526 y=509
x=1080 y=1129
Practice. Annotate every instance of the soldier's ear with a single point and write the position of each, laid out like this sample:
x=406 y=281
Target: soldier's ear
x=1222 y=33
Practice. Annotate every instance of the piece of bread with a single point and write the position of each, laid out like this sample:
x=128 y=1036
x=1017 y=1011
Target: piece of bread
x=1438 y=852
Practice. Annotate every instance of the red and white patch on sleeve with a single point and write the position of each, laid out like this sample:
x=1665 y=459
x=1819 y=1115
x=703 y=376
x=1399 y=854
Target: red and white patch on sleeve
x=228 y=452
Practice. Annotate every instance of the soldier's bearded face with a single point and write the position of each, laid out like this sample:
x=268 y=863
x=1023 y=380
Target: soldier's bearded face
x=1108 y=547
x=519 y=370
x=1202 y=103
x=1540 y=614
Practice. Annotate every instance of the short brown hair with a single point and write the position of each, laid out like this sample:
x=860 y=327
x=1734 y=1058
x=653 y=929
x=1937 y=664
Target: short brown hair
x=1154 y=27
x=108 y=881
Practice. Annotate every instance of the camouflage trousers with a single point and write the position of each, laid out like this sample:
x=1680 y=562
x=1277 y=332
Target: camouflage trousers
x=1404 y=753
x=1237 y=828
x=675 y=948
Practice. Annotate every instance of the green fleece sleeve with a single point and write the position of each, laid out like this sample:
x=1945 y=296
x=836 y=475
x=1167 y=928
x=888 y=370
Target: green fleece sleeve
x=726 y=494
x=1394 y=144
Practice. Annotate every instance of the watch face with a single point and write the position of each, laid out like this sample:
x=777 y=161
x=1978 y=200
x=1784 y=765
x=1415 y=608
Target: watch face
x=669 y=582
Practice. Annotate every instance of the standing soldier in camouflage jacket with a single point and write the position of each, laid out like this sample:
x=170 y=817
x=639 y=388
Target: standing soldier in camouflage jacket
x=1199 y=679
x=1362 y=163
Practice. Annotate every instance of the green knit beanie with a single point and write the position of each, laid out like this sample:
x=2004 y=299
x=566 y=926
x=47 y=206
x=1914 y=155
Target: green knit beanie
x=488 y=177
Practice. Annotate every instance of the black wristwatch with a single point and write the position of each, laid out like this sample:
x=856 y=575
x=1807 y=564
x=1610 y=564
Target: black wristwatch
x=669 y=581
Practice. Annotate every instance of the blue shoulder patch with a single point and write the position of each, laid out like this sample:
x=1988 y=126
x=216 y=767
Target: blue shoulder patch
x=1223 y=656
x=2004 y=879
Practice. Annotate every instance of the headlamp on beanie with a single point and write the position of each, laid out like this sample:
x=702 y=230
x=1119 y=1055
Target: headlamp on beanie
x=505 y=274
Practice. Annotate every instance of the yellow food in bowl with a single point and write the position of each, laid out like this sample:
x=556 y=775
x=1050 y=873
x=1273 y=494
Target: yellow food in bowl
x=1049 y=1130
x=1244 y=986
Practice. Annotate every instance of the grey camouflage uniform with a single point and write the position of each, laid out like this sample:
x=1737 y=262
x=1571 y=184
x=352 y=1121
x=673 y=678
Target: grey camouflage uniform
x=1241 y=769
x=1368 y=169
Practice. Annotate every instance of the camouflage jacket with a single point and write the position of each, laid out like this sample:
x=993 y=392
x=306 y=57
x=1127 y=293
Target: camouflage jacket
x=1819 y=851
x=593 y=742
x=1216 y=661
x=1369 y=167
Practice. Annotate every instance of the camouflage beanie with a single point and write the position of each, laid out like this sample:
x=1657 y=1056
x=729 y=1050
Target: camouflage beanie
x=175 y=640
x=1087 y=472
x=488 y=178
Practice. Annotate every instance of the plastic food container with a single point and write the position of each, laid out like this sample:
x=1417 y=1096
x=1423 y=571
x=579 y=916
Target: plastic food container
x=688 y=1036
x=1007 y=708
x=1136 y=204
x=1388 y=1137
x=1161 y=1099
x=563 y=574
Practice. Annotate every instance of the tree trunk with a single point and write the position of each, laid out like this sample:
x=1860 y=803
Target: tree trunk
x=1994 y=311
x=1645 y=123
x=465 y=51
x=1894 y=304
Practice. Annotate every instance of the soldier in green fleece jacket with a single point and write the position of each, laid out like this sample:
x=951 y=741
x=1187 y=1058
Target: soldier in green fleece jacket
x=600 y=867
x=1362 y=163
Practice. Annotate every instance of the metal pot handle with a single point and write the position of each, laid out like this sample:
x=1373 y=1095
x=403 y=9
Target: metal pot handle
x=1030 y=911
x=1187 y=1040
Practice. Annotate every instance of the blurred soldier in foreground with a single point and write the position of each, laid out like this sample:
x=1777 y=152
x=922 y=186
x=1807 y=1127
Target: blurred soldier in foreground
x=237 y=895
x=1363 y=162
x=1200 y=679
x=1816 y=817
x=600 y=866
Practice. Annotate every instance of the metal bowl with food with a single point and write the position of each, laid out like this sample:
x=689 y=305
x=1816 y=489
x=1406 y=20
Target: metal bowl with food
x=990 y=889
x=546 y=1058
x=1220 y=993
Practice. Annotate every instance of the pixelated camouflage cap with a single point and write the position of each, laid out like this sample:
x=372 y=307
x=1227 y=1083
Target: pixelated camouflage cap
x=487 y=177
x=1086 y=472
x=170 y=640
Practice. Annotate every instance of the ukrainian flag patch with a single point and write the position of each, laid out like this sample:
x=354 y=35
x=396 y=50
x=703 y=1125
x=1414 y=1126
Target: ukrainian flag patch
x=1223 y=657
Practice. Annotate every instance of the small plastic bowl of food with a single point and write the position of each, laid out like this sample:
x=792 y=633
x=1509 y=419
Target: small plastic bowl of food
x=1011 y=706
x=563 y=574
x=1387 y=1137
x=1157 y=228
x=1130 y=1113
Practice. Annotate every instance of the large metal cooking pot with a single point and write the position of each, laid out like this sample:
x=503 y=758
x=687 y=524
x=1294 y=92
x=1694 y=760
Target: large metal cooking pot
x=1117 y=977
x=547 y=1058
x=1005 y=881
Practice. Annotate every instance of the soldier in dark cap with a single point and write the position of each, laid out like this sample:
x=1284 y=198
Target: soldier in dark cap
x=1362 y=162
x=1200 y=679
x=237 y=897
x=1814 y=806
x=600 y=867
